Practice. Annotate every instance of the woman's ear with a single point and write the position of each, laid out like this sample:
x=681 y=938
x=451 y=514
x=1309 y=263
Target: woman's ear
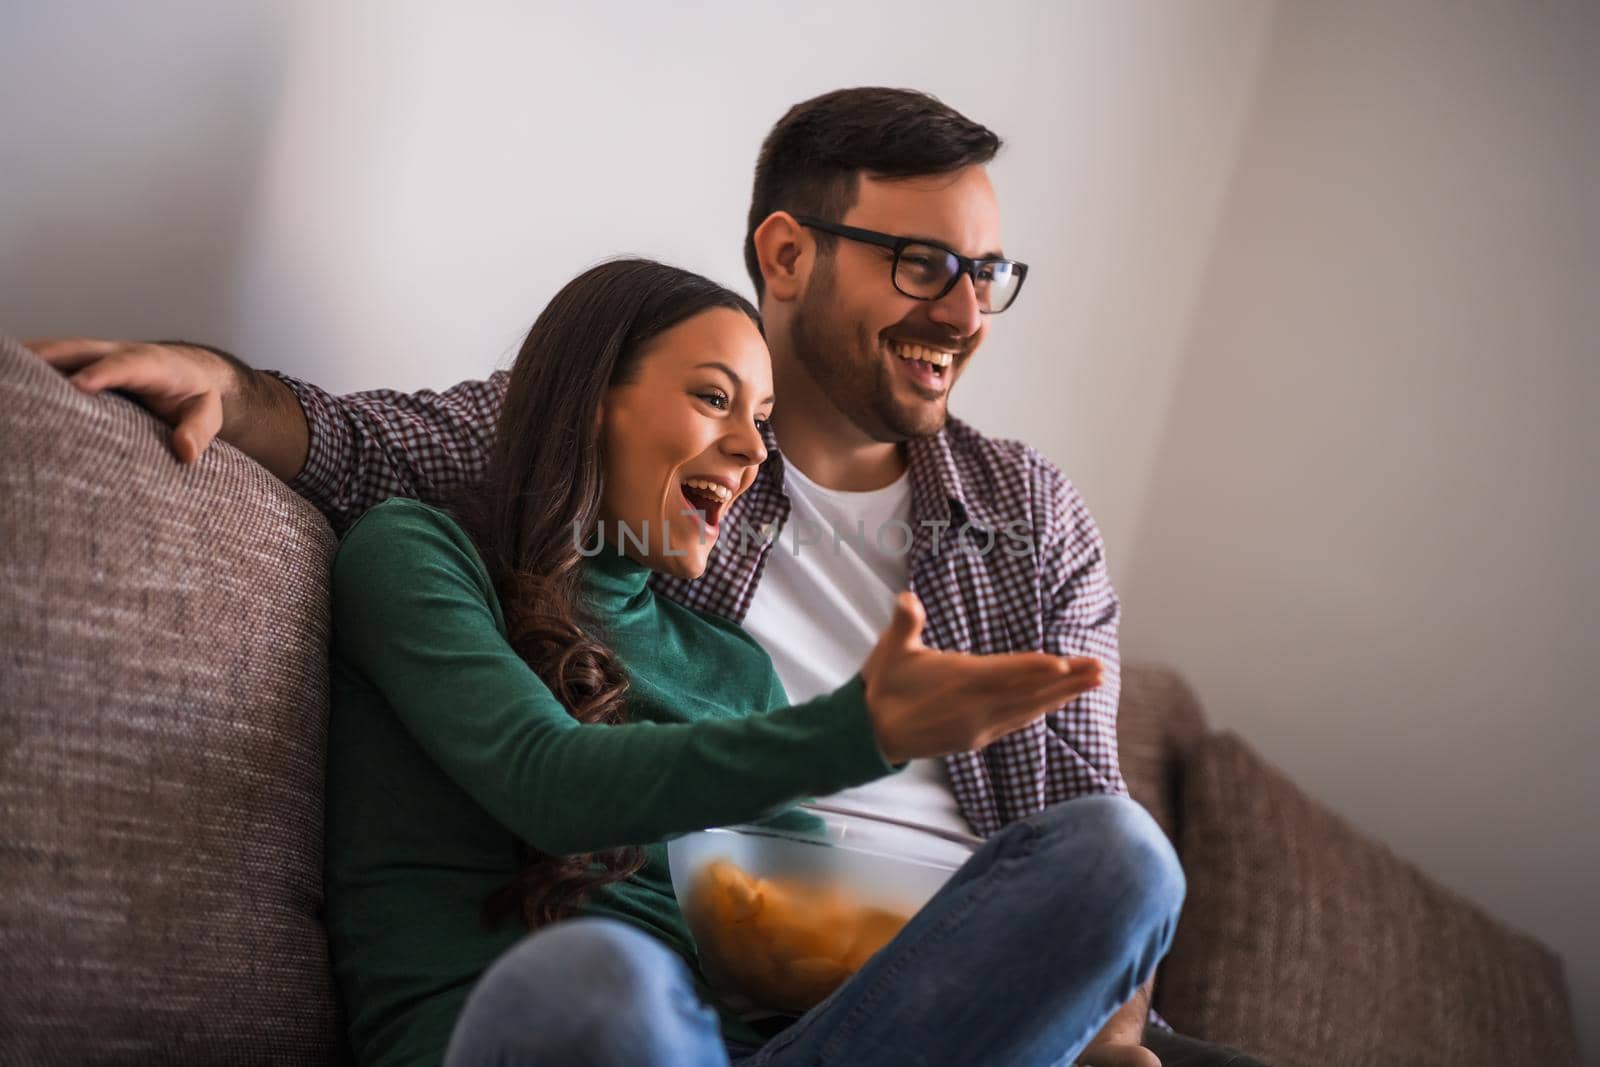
x=785 y=252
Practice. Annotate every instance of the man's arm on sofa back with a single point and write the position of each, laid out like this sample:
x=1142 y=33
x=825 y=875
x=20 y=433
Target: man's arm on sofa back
x=200 y=391
x=367 y=447
x=344 y=454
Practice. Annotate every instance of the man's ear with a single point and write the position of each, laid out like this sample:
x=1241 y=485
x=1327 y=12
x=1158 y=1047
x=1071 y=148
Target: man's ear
x=786 y=253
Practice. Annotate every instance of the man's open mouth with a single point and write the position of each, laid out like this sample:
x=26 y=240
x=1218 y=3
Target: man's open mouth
x=926 y=366
x=706 y=497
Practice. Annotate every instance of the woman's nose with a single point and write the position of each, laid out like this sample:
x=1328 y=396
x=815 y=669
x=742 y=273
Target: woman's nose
x=746 y=444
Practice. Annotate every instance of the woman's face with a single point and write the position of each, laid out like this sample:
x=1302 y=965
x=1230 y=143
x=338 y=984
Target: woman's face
x=680 y=440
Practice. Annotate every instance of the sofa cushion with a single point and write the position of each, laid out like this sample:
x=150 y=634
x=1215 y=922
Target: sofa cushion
x=162 y=641
x=1308 y=943
x=1159 y=720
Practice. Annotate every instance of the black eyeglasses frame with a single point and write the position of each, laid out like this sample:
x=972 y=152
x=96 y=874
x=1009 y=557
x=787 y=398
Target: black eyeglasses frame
x=965 y=264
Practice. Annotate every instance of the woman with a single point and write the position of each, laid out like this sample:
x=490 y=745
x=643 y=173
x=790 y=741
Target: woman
x=519 y=723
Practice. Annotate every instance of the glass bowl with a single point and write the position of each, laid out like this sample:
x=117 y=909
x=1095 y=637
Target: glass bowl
x=784 y=910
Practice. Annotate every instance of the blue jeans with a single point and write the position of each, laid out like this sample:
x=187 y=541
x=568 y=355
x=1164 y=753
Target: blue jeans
x=1019 y=959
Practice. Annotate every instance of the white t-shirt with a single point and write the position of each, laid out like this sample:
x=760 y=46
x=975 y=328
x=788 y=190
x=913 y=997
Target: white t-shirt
x=825 y=594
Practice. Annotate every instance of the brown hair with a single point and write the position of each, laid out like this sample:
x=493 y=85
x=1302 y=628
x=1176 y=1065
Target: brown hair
x=811 y=160
x=541 y=487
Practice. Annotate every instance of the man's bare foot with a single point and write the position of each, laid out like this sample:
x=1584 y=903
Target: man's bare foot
x=1114 y=1055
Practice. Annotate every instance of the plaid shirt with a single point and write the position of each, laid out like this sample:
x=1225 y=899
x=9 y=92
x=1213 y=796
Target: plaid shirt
x=975 y=501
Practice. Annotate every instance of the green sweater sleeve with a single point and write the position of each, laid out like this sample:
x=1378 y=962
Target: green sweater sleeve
x=415 y=617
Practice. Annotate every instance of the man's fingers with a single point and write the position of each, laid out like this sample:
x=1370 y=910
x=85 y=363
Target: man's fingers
x=199 y=420
x=70 y=353
x=146 y=377
x=165 y=384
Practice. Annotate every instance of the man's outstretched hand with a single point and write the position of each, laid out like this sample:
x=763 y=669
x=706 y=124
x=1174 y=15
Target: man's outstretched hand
x=201 y=393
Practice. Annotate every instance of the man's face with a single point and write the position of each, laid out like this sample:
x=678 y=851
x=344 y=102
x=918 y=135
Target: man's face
x=875 y=351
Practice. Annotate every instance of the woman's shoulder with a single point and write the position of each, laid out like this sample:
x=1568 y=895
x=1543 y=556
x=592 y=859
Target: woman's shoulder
x=404 y=518
x=401 y=532
x=730 y=640
x=715 y=627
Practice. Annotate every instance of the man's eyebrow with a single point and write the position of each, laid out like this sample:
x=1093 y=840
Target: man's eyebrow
x=946 y=244
x=725 y=369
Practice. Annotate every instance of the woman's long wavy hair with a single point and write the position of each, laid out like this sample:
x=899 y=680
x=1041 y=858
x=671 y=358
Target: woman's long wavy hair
x=540 y=490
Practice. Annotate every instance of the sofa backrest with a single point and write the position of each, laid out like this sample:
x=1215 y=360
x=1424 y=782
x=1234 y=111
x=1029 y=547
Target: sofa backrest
x=163 y=704
x=1159 y=721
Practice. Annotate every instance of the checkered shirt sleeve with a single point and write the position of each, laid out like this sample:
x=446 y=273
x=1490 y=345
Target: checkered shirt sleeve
x=367 y=447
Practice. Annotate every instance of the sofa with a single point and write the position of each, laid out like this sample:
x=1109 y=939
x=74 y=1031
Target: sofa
x=163 y=704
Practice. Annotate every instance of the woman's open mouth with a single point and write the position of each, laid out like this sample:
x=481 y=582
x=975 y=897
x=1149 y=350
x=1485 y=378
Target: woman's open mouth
x=708 y=498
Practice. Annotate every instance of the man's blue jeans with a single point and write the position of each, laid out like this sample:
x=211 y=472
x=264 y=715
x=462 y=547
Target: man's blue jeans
x=1019 y=959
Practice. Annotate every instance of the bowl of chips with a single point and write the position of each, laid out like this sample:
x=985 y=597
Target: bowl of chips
x=785 y=910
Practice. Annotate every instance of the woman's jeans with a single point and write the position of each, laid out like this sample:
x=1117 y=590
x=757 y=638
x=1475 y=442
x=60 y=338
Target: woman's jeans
x=1020 y=959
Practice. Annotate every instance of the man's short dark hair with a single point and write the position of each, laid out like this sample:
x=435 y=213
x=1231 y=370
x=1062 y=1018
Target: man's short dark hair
x=811 y=161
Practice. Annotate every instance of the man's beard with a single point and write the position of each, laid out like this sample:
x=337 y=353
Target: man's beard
x=852 y=369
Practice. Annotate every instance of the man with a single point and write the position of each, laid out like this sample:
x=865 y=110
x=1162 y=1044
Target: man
x=874 y=246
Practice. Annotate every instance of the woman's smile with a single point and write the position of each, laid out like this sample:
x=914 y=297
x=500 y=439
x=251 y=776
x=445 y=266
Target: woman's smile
x=709 y=496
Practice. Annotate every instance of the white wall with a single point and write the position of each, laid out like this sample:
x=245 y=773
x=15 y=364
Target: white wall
x=1369 y=536
x=1307 y=323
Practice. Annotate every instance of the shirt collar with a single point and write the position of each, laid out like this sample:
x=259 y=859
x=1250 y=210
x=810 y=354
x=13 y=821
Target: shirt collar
x=937 y=493
x=936 y=489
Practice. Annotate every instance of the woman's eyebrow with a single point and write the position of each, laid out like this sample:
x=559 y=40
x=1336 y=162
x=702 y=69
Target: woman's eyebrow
x=738 y=382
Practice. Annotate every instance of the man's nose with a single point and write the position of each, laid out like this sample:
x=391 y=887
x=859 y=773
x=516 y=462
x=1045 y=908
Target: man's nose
x=958 y=309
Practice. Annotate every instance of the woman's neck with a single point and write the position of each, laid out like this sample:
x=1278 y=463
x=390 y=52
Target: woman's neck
x=614 y=583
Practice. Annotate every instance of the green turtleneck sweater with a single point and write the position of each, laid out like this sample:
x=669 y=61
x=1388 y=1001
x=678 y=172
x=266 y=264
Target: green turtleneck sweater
x=445 y=749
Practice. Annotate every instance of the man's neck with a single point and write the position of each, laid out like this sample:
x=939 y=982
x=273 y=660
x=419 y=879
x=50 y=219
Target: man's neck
x=858 y=466
x=819 y=439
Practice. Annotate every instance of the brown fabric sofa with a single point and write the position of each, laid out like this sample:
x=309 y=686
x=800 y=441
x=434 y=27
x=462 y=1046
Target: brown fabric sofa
x=162 y=713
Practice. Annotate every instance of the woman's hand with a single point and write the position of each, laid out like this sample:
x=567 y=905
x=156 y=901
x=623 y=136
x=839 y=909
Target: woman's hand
x=925 y=702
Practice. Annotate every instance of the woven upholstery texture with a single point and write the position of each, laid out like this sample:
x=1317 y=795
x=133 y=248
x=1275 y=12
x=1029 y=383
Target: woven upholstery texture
x=163 y=705
x=1159 y=721
x=1309 y=944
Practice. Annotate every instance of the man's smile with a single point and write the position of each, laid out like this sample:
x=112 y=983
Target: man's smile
x=928 y=368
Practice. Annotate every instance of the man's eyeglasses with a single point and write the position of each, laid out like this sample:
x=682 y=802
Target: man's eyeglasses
x=924 y=270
